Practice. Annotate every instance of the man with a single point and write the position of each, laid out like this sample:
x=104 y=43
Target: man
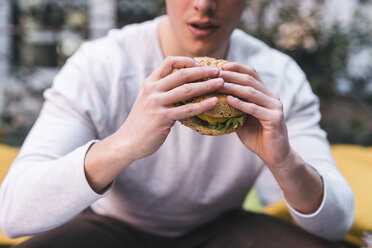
x=108 y=138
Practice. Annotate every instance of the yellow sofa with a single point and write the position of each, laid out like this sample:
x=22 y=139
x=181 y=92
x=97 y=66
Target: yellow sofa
x=7 y=155
x=354 y=162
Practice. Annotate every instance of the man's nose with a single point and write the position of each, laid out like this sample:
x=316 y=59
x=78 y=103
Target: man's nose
x=205 y=6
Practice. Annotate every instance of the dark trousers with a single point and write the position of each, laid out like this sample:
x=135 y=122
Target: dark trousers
x=233 y=229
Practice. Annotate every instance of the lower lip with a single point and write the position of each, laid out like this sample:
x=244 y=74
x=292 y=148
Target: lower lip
x=201 y=32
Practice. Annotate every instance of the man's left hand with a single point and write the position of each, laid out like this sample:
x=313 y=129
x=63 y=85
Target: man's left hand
x=265 y=131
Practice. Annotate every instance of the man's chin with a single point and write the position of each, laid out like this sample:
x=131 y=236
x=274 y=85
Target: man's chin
x=206 y=52
x=207 y=49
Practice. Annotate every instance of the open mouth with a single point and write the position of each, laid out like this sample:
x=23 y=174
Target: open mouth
x=202 y=29
x=204 y=26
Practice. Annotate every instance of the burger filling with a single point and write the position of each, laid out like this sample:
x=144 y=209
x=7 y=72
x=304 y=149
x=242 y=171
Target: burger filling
x=221 y=123
x=212 y=120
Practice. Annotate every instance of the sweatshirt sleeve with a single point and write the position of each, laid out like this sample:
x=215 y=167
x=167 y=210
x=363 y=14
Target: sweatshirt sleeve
x=335 y=215
x=46 y=184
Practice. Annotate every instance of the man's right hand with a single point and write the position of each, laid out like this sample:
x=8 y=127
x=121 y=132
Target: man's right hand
x=153 y=114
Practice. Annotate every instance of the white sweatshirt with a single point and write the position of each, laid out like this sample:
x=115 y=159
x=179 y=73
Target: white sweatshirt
x=190 y=180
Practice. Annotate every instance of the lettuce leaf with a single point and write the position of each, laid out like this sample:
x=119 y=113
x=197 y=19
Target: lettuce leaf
x=234 y=122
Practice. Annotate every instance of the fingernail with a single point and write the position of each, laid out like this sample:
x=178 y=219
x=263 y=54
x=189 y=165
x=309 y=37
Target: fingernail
x=213 y=99
x=226 y=66
x=218 y=80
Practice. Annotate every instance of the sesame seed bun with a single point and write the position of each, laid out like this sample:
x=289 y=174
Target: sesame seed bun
x=222 y=109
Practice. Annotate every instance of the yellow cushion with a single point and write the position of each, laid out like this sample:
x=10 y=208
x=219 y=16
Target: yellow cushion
x=355 y=163
x=7 y=155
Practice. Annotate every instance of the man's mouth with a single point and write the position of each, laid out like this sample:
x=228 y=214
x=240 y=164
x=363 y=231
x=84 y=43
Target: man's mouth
x=202 y=29
x=204 y=26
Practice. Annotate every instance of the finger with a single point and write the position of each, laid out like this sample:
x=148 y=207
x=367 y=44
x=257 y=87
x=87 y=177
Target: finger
x=246 y=80
x=233 y=66
x=190 y=90
x=250 y=94
x=187 y=75
x=259 y=112
x=192 y=109
x=169 y=64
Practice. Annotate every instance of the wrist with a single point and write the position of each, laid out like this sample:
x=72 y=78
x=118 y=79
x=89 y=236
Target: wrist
x=301 y=184
x=289 y=168
x=119 y=150
x=104 y=160
x=289 y=171
x=289 y=160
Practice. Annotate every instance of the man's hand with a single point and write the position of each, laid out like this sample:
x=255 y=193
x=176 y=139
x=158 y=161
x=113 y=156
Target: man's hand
x=154 y=112
x=265 y=133
x=156 y=108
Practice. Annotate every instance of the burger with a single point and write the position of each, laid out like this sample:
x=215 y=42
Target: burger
x=223 y=118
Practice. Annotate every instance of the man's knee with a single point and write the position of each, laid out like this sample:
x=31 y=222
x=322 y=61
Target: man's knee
x=260 y=230
x=79 y=232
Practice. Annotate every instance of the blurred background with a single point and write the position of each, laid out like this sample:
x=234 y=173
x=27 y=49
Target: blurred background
x=331 y=40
